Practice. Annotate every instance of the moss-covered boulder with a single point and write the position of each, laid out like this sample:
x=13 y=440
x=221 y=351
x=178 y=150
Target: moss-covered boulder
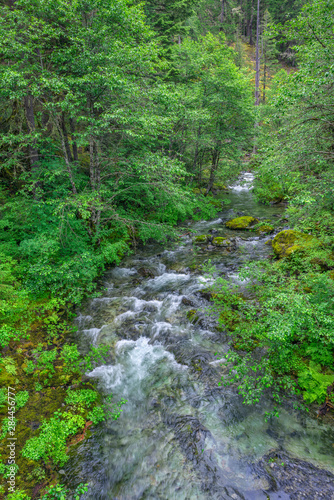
x=265 y=229
x=288 y=241
x=241 y=222
x=199 y=190
x=201 y=240
x=221 y=242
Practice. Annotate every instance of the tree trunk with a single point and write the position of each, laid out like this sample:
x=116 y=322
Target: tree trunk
x=196 y=148
x=67 y=146
x=74 y=144
x=58 y=120
x=215 y=159
x=200 y=163
x=250 y=25
x=221 y=17
x=241 y=20
x=264 y=77
x=29 y=110
x=92 y=163
x=257 y=57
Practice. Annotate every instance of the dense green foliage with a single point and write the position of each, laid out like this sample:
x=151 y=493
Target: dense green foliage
x=118 y=120
x=108 y=128
x=287 y=313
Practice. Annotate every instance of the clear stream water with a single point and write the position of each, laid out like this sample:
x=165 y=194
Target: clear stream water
x=181 y=436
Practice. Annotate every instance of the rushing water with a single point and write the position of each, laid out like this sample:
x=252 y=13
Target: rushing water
x=181 y=436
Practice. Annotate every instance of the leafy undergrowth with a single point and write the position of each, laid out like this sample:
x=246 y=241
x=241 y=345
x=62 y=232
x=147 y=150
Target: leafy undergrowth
x=48 y=407
x=282 y=328
x=42 y=374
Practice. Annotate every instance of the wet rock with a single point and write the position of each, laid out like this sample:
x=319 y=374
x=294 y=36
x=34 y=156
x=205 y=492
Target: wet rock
x=299 y=480
x=242 y=222
x=154 y=403
x=221 y=242
x=188 y=301
x=288 y=241
x=233 y=493
x=265 y=229
x=201 y=240
x=206 y=294
x=145 y=272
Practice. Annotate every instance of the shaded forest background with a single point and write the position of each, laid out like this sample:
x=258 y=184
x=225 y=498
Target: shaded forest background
x=118 y=121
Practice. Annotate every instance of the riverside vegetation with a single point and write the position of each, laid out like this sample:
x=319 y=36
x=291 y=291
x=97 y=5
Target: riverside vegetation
x=119 y=120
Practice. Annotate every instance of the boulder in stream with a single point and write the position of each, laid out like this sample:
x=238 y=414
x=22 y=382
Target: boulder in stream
x=221 y=242
x=201 y=240
x=241 y=222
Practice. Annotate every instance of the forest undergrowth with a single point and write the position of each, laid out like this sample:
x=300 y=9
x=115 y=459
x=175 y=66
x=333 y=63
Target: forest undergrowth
x=118 y=121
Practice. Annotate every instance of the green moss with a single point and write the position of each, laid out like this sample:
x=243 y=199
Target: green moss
x=288 y=241
x=218 y=186
x=199 y=191
x=241 y=222
x=192 y=315
x=265 y=229
x=221 y=242
x=201 y=240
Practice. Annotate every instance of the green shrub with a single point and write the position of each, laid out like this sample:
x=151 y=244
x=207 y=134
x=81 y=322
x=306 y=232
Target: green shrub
x=21 y=399
x=50 y=444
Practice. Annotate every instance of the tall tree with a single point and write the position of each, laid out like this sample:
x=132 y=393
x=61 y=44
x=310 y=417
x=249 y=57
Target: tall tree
x=257 y=57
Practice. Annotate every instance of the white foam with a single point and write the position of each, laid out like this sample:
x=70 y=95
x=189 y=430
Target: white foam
x=160 y=327
x=82 y=319
x=218 y=362
x=110 y=375
x=167 y=280
x=93 y=333
x=245 y=184
x=122 y=272
x=136 y=360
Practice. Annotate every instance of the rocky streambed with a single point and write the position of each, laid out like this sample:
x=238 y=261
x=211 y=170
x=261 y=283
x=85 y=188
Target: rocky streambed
x=181 y=436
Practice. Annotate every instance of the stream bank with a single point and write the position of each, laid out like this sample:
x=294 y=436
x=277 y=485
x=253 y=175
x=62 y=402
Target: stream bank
x=181 y=436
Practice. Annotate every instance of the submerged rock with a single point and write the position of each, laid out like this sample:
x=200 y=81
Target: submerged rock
x=294 y=478
x=288 y=241
x=221 y=242
x=201 y=240
x=145 y=272
x=241 y=222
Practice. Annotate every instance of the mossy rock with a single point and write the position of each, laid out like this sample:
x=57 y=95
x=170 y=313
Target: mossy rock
x=218 y=186
x=265 y=229
x=241 y=222
x=288 y=241
x=192 y=315
x=201 y=240
x=221 y=242
x=199 y=190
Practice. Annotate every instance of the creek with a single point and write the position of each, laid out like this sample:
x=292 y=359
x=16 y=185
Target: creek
x=182 y=436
